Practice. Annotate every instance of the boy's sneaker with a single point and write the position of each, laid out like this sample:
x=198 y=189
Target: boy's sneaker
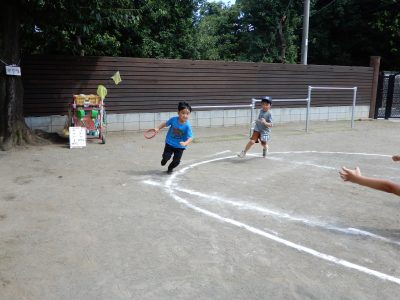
x=242 y=154
x=169 y=171
x=163 y=162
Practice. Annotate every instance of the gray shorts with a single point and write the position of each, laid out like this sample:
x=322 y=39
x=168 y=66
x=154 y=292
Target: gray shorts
x=264 y=137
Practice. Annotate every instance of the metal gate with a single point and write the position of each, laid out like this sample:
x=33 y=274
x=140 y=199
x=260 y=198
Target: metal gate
x=388 y=96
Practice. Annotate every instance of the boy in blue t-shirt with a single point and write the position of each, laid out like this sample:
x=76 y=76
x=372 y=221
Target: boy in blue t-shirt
x=179 y=135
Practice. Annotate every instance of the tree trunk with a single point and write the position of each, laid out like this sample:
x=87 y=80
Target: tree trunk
x=13 y=128
x=282 y=40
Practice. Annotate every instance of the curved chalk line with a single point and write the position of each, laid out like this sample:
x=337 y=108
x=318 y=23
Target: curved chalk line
x=170 y=188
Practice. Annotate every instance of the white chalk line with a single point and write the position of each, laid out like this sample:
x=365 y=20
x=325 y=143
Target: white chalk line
x=249 y=206
x=253 y=207
x=277 y=214
x=305 y=164
x=331 y=152
x=271 y=157
x=170 y=189
x=290 y=244
x=213 y=155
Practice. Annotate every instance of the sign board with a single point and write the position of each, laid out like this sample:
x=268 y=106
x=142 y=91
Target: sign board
x=13 y=70
x=77 y=137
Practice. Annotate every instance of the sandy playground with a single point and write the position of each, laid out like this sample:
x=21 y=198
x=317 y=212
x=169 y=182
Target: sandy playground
x=107 y=222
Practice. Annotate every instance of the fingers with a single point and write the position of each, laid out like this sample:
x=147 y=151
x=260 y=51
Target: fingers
x=358 y=172
x=346 y=170
x=344 y=173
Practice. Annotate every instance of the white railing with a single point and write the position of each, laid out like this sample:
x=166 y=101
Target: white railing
x=252 y=106
x=222 y=106
x=310 y=88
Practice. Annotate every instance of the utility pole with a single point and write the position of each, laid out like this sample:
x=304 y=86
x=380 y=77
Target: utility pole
x=304 y=43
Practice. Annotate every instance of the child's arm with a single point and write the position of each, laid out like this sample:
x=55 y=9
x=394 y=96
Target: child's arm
x=374 y=183
x=162 y=125
x=263 y=121
x=187 y=142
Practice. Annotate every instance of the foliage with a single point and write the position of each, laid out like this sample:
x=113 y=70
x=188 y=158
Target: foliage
x=260 y=21
x=348 y=32
x=113 y=28
x=343 y=32
x=166 y=29
x=386 y=20
x=217 y=32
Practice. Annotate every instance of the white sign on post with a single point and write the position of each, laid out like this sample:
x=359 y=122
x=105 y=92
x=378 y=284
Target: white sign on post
x=13 y=70
x=77 y=137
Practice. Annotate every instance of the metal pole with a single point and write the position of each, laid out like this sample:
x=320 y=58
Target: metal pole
x=354 y=104
x=308 y=107
x=253 y=106
x=304 y=43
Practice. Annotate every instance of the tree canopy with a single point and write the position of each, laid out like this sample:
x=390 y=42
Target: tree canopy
x=110 y=28
x=345 y=32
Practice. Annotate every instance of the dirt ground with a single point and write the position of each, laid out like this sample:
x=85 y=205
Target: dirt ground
x=107 y=222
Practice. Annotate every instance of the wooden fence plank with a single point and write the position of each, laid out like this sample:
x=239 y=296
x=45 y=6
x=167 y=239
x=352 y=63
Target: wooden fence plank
x=50 y=82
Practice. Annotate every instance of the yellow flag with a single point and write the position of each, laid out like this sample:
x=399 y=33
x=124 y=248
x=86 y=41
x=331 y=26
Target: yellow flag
x=116 y=77
x=102 y=91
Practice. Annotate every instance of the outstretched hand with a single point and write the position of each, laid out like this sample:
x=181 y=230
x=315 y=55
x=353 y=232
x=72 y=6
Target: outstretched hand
x=350 y=175
x=396 y=157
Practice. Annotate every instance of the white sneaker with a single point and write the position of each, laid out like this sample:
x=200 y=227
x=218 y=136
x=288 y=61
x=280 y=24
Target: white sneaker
x=242 y=154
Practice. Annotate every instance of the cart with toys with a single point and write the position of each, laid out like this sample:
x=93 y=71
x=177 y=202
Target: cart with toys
x=88 y=111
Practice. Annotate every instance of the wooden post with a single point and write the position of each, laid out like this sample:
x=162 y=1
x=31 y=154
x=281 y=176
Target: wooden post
x=374 y=63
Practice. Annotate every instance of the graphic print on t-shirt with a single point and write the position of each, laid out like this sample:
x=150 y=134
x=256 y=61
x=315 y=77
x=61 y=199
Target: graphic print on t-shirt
x=177 y=133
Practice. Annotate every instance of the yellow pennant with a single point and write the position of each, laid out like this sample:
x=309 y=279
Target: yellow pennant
x=102 y=91
x=116 y=77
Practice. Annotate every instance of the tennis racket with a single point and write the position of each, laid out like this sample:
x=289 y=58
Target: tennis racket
x=150 y=133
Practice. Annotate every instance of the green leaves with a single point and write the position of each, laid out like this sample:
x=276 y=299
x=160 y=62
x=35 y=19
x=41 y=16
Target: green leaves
x=350 y=31
x=341 y=32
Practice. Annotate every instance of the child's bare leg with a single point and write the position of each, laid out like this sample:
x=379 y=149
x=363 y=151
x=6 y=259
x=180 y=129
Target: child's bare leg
x=249 y=145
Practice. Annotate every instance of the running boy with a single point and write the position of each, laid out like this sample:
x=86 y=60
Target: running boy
x=262 y=127
x=179 y=135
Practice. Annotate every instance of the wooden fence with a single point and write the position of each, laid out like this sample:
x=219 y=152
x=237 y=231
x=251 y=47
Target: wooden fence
x=156 y=85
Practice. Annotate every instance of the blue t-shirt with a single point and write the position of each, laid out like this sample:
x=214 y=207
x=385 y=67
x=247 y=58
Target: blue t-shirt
x=177 y=132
